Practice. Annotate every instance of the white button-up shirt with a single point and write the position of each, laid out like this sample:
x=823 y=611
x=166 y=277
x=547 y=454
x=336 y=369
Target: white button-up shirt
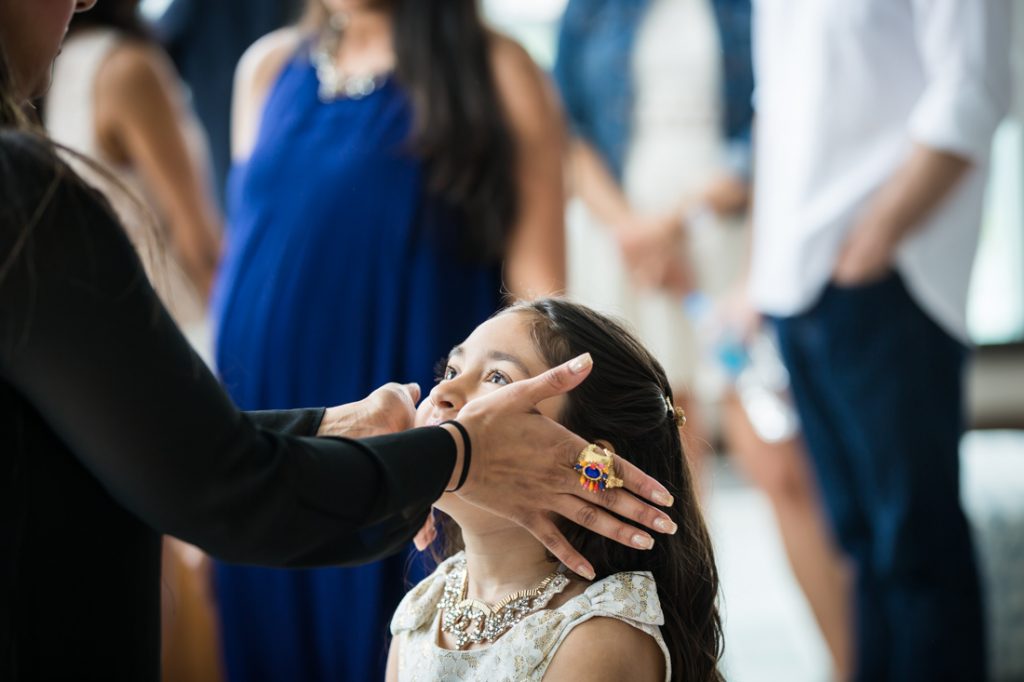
x=844 y=90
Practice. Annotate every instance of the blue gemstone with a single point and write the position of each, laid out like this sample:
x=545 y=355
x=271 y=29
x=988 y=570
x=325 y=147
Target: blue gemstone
x=592 y=472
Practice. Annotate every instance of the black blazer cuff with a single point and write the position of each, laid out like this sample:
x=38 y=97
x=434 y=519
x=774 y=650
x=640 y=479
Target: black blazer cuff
x=303 y=422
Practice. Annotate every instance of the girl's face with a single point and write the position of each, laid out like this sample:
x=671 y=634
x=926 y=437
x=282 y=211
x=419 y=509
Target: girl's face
x=31 y=32
x=498 y=353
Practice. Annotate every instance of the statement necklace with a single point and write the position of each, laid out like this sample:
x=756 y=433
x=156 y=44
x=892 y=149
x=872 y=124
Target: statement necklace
x=334 y=83
x=471 y=621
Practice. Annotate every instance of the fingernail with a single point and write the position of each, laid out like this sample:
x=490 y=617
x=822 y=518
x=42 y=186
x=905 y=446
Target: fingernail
x=666 y=526
x=581 y=363
x=664 y=499
x=643 y=541
x=586 y=571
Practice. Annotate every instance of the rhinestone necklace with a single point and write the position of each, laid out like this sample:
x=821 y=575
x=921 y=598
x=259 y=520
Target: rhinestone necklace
x=334 y=83
x=471 y=621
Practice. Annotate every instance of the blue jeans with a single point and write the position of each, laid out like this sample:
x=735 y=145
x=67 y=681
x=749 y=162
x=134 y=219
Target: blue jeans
x=878 y=386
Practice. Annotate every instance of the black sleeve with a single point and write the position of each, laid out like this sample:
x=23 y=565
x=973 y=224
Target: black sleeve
x=301 y=422
x=84 y=339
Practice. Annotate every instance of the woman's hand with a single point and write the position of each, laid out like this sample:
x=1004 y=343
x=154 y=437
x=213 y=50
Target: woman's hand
x=389 y=409
x=522 y=469
x=727 y=195
x=655 y=251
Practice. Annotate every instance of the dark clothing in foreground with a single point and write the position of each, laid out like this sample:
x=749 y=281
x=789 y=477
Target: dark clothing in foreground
x=112 y=431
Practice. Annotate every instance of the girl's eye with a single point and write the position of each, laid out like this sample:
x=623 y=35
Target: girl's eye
x=443 y=371
x=496 y=377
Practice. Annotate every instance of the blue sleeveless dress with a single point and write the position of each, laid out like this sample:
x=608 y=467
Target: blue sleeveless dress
x=342 y=273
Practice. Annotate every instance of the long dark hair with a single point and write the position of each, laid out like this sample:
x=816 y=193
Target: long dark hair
x=623 y=402
x=443 y=61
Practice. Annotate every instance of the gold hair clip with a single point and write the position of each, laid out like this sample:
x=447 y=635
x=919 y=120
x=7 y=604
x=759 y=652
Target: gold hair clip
x=676 y=413
x=680 y=415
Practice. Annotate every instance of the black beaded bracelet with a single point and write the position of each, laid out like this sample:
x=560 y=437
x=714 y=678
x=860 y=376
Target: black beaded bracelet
x=467 y=454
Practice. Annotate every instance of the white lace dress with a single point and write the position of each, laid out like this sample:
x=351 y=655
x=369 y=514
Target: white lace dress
x=525 y=651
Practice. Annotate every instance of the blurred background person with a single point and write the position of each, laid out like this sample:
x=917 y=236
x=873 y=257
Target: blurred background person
x=661 y=163
x=397 y=164
x=865 y=227
x=658 y=95
x=116 y=98
x=205 y=40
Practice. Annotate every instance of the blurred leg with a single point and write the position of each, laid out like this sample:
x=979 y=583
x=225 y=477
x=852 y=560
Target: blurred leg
x=191 y=643
x=781 y=471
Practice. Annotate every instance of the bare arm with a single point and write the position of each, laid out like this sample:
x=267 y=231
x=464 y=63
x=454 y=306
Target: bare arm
x=652 y=245
x=535 y=264
x=391 y=674
x=141 y=119
x=917 y=188
x=965 y=51
x=257 y=70
x=627 y=653
x=592 y=181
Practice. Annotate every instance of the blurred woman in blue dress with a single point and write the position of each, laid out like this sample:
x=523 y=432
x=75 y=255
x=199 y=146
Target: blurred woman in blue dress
x=397 y=167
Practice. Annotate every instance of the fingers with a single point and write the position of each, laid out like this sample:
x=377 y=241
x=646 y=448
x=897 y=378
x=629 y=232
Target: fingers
x=414 y=392
x=548 y=534
x=626 y=505
x=597 y=520
x=555 y=381
x=636 y=481
x=407 y=394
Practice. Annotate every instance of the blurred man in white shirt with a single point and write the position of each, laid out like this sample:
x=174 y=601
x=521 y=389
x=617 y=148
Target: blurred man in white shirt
x=874 y=123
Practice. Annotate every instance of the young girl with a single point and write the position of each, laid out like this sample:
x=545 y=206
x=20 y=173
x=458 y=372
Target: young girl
x=499 y=607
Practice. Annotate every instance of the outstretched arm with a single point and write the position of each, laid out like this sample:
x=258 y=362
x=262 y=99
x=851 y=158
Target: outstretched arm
x=85 y=341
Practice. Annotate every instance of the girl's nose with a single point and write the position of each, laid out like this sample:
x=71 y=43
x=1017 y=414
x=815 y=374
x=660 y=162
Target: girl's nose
x=448 y=396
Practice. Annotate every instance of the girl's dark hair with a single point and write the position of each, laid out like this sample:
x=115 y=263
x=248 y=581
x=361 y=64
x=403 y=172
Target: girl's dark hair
x=443 y=61
x=623 y=402
x=122 y=15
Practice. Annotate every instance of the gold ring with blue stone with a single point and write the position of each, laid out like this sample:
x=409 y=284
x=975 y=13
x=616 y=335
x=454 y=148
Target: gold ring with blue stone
x=596 y=467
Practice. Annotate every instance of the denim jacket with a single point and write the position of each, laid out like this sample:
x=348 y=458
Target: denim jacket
x=593 y=69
